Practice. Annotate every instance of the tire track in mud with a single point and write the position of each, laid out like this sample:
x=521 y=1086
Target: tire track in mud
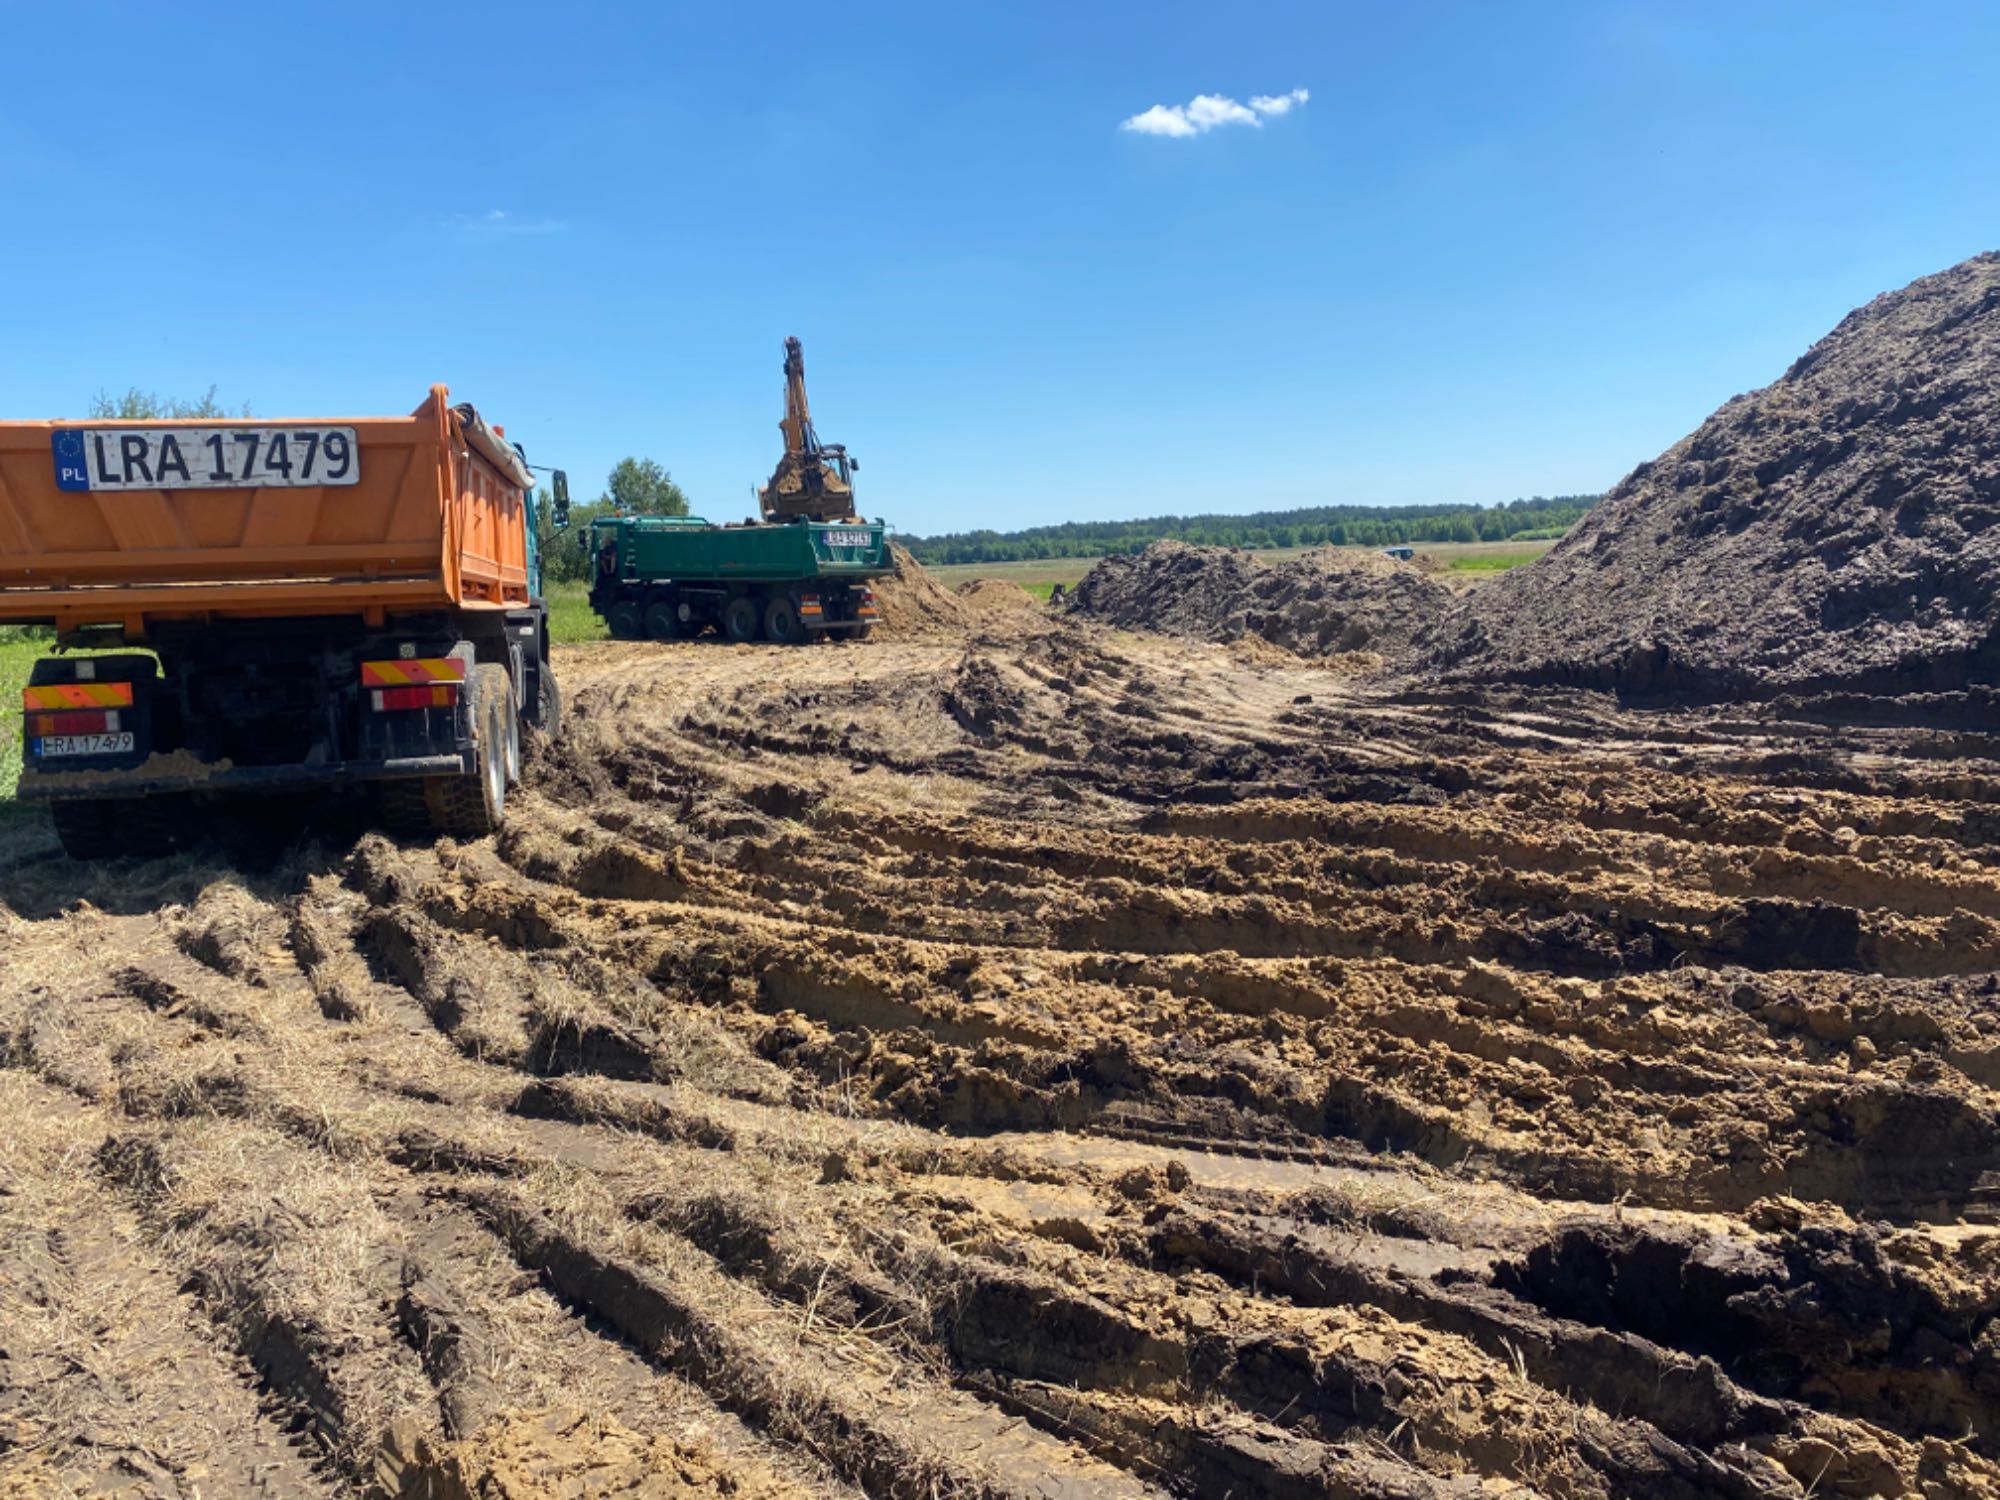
x=1073 y=1066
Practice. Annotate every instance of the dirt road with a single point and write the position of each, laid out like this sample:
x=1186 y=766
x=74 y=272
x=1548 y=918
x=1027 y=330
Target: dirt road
x=1062 y=1063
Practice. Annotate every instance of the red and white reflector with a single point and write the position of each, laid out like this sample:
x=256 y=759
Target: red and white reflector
x=435 y=695
x=40 y=726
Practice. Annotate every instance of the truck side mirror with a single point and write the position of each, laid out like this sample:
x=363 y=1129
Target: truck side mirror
x=854 y=464
x=560 y=509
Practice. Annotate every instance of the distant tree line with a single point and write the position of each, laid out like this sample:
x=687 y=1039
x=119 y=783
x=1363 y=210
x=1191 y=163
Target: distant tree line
x=1530 y=519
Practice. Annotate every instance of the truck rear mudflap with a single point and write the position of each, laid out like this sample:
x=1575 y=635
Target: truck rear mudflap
x=838 y=609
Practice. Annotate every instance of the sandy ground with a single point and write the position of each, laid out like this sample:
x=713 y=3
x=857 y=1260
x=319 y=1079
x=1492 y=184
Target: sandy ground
x=1045 y=1063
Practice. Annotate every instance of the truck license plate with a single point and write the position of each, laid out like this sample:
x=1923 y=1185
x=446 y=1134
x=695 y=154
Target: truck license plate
x=84 y=744
x=847 y=538
x=205 y=458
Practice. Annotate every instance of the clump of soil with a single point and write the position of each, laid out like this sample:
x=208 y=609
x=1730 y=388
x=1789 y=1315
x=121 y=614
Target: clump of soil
x=911 y=602
x=996 y=596
x=996 y=609
x=568 y=1455
x=1833 y=530
x=1322 y=603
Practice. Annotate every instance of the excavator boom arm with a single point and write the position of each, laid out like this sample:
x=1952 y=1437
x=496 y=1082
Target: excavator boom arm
x=800 y=439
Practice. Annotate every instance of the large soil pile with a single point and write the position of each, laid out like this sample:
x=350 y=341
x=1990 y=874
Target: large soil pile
x=1834 y=530
x=911 y=602
x=1318 y=604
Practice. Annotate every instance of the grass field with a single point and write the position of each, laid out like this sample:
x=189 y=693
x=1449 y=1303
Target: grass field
x=571 y=619
x=1039 y=578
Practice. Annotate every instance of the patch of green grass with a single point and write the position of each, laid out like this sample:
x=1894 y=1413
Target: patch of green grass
x=1042 y=590
x=19 y=651
x=571 y=619
x=1492 y=562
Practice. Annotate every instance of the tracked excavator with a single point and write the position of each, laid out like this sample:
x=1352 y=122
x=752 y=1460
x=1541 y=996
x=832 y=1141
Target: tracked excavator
x=814 y=480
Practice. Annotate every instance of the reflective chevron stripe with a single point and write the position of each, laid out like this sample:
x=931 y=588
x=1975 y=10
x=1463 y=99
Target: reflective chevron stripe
x=412 y=673
x=77 y=695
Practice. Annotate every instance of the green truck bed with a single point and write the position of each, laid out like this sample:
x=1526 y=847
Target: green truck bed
x=672 y=577
x=688 y=549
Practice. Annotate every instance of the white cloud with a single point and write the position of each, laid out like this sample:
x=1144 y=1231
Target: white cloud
x=1160 y=120
x=1279 y=104
x=1205 y=112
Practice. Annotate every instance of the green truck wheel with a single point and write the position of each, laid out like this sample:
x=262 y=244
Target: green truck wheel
x=740 y=620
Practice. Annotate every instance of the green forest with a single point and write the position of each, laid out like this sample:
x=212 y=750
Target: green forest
x=1533 y=519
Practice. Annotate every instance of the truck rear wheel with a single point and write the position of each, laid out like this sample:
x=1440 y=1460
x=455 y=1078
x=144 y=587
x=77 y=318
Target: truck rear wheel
x=466 y=807
x=85 y=829
x=739 y=619
x=782 y=623
x=551 y=716
x=624 y=622
x=102 y=828
x=662 y=624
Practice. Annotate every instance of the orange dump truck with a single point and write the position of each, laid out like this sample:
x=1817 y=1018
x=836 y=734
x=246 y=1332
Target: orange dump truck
x=321 y=603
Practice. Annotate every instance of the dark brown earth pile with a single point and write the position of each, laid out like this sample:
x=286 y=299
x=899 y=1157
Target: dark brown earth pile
x=1321 y=603
x=1834 y=530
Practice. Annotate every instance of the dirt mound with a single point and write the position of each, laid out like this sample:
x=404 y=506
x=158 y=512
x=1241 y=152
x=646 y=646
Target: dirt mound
x=1323 y=603
x=996 y=596
x=913 y=603
x=1835 y=529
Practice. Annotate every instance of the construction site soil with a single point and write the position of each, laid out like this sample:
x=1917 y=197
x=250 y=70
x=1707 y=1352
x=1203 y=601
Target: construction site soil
x=1024 y=1058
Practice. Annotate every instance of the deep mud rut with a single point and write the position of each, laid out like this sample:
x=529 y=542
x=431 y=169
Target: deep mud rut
x=1062 y=1064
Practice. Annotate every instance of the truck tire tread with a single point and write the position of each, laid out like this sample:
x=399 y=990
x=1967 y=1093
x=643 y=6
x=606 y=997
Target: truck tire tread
x=464 y=806
x=782 y=623
x=742 y=621
x=146 y=827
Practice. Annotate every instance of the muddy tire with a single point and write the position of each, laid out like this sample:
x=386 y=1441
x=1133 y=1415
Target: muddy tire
x=740 y=622
x=782 y=623
x=512 y=719
x=405 y=810
x=624 y=622
x=466 y=807
x=145 y=827
x=661 y=623
x=85 y=830
x=549 y=720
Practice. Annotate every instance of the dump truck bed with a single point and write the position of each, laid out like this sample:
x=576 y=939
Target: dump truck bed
x=689 y=549
x=124 y=522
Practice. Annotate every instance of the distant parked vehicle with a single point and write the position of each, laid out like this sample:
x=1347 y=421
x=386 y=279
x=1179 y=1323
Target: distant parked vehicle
x=1401 y=554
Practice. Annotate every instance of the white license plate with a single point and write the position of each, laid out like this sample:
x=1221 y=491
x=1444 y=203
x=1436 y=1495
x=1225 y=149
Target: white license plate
x=84 y=744
x=847 y=538
x=205 y=458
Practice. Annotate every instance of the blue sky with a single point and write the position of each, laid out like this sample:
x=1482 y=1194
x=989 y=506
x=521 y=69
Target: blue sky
x=1501 y=249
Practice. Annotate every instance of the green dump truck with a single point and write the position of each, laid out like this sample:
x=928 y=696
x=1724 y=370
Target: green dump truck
x=666 y=577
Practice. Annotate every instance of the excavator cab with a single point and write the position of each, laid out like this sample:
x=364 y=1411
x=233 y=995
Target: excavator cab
x=814 y=481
